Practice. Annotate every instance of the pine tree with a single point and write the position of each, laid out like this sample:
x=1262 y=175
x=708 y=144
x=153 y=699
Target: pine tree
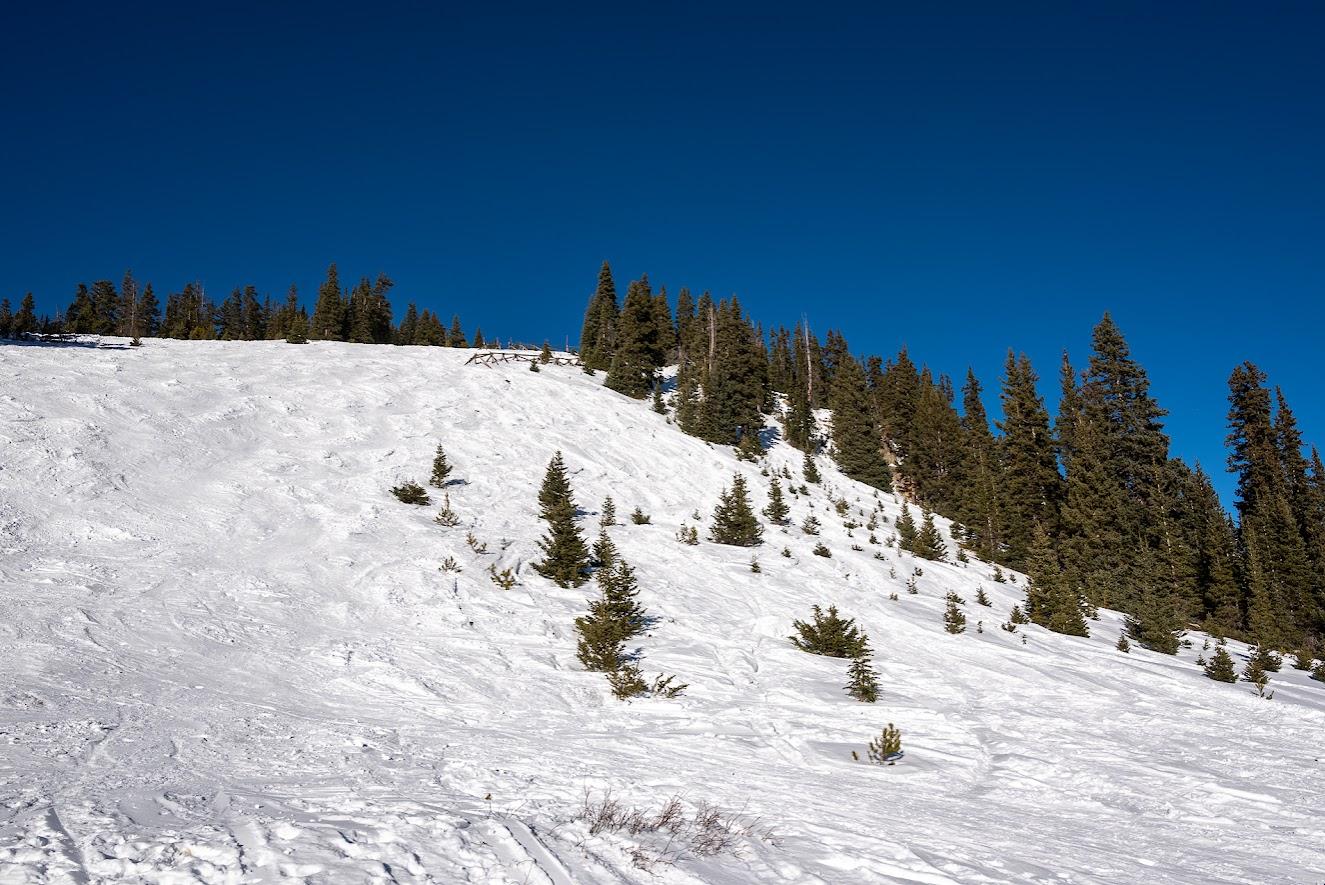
x=1031 y=482
x=1220 y=666
x=862 y=681
x=954 y=619
x=886 y=749
x=906 y=530
x=441 y=469
x=608 y=512
x=980 y=484
x=566 y=559
x=329 y=312
x=734 y=520
x=545 y=355
x=598 y=335
x=928 y=542
x=639 y=351
x=456 y=336
x=857 y=444
x=808 y=468
x=1050 y=602
x=829 y=634
x=777 y=510
x=981 y=597
x=298 y=330
x=6 y=318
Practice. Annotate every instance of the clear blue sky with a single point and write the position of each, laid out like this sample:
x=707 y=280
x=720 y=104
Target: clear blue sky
x=966 y=179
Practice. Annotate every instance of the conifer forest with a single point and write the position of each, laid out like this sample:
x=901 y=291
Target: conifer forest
x=698 y=598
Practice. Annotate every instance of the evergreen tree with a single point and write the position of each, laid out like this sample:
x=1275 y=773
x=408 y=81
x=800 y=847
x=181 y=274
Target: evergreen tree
x=829 y=634
x=928 y=542
x=954 y=619
x=1031 y=482
x=1220 y=666
x=980 y=486
x=639 y=351
x=608 y=512
x=441 y=469
x=25 y=321
x=734 y=520
x=808 y=468
x=1050 y=601
x=857 y=445
x=329 y=313
x=598 y=335
x=6 y=318
x=777 y=510
x=566 y=559
x=886 y=749
x=456 y=337
x=297 y=331
x=862 y=681
x=906 y=530
x=933 y=461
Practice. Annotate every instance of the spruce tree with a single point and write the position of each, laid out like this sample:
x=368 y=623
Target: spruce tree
x=734 y=520
x=857 y=444
x=639 y=351
x=862 y=681
x=928 y=542
x=1220 y=666
x=566 y=557
x=980 y=483
x=777 y=510
x=1050 y=601
x=441 y=469
x=808 y=468
x=608 y=512
x=329 y=312
x=598 y=335
x=1031 y=482
x=954 y=619
x=906 y=530
x=829 y=634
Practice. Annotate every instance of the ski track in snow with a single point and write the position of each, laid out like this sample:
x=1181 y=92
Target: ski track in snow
x=228 y=655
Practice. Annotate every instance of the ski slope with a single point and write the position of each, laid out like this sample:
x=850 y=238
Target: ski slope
x=228 y=655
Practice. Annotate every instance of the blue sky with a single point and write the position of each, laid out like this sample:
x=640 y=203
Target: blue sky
x=962 y=180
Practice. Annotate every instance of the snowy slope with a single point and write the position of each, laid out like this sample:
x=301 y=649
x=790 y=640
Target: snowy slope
x=227 y=654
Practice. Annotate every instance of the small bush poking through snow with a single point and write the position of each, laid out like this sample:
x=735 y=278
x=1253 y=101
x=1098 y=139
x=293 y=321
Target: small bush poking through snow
x=411 y=493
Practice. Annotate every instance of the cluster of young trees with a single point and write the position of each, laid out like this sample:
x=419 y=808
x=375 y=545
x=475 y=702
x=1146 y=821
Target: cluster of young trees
x=1089 y=501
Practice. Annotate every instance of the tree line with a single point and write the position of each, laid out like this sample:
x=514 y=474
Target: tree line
x=361 y=313
x=1089 y=501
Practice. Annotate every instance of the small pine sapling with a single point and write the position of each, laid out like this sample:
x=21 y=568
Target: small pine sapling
x=505 y=579
x=954 y=619
x=545 y=355
x=886 y=749
x=998 y=576
x=821 y=550
x=411 y=493
x=810 y=526
x=639 y=517
x=446 y=516
x=533 y=367
x=786 y=552
x=1123 y=645
x=755 y=566
x=608 y=516
x=981 y=597
x=441 y=469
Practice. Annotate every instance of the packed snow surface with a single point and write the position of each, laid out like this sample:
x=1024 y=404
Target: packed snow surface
x=228 y=654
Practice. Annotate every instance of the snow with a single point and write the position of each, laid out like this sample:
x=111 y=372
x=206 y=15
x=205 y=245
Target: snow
x=228 y=655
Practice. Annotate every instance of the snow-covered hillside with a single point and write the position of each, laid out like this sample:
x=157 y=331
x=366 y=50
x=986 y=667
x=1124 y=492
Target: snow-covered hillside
x=227 y=654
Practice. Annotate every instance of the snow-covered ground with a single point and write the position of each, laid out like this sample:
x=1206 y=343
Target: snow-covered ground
x=227 y=654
